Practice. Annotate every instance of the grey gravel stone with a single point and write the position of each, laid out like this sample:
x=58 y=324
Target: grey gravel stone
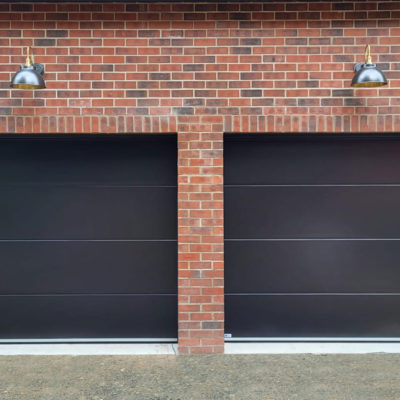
x=202 y=377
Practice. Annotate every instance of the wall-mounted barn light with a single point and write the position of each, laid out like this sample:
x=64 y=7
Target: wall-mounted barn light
x=29 y=76
x=367 y=74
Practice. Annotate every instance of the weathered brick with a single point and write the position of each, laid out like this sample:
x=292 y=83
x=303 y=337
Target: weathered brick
x=56 y=33
x=45 y=42
x=136 y=93
x=21 y=7
x=5 y=110
x=183 y=110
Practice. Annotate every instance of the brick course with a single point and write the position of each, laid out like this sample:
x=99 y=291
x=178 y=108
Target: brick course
x=200 y=69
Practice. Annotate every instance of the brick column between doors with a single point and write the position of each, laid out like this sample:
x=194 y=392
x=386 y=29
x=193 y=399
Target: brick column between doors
x=200 y=243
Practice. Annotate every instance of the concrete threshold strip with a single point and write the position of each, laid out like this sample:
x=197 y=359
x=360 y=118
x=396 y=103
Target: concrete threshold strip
x=312 y=346
x=276 y=346
x=88 y=349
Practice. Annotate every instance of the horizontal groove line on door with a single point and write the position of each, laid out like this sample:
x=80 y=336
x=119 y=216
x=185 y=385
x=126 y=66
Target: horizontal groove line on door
x=86 y=240
x=317 y=185
x=89 y=295
x=84 y=184
x=88 y=341
x=313 y=339
x=315 y=294
x=311 y=239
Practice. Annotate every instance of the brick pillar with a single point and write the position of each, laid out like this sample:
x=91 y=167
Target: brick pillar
x=200 y=243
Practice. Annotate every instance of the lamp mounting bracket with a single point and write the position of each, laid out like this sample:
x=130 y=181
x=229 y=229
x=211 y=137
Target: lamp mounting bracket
x=39 y=68
x=360 y=65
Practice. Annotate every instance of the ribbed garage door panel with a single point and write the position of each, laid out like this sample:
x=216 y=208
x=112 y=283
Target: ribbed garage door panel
x=313 y=316
x=88 y=267
x=87 y=212
x=88 y=317
x=88 y=237
x=124 y=159
x=312 y=235
x=327 y=266
x=313 y=159
x=312 y=212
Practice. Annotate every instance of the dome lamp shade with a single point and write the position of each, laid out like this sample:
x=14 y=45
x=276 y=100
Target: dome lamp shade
x=367 y=74
x=29 y=76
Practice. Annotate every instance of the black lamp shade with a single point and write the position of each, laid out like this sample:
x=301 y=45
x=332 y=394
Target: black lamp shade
x=28 y=78
x=368 y=76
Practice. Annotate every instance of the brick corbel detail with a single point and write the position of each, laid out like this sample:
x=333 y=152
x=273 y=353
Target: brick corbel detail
x=211 y=123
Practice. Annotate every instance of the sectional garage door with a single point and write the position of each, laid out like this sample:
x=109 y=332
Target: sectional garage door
x=88 y=237
x=312 y=229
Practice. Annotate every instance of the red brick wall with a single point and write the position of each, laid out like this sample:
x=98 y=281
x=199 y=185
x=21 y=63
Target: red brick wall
x=200 y=70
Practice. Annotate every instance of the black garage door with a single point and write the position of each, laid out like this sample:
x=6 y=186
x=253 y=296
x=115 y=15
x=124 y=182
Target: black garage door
x=88 y=237
x=312 y=228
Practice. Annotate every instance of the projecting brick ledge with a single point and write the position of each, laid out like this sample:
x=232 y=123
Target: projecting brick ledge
x=227 y=123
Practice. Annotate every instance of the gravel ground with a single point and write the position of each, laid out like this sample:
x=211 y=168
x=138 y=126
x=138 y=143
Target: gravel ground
x=216 y=377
